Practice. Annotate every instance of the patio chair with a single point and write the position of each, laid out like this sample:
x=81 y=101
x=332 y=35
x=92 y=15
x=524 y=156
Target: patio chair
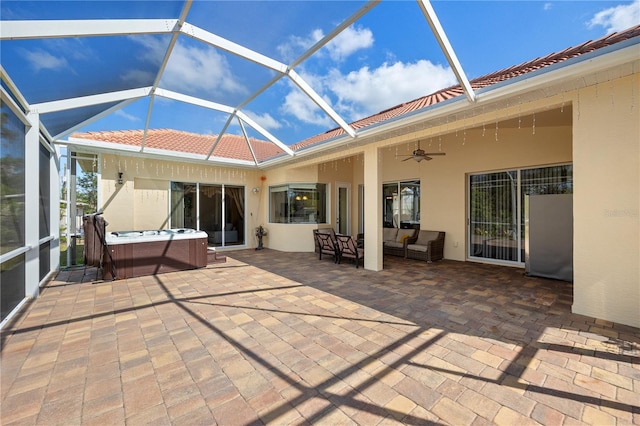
x=347 y=247
x=325 y=244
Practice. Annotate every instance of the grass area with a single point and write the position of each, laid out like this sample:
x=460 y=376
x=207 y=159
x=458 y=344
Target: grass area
x=63 y=254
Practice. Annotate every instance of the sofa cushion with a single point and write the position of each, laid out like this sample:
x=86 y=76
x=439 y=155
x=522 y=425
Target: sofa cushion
x=389 y=234
x=394 y=244
x=418 y=247
x=401 y=234
x=425 y=236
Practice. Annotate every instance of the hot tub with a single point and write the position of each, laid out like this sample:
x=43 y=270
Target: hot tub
x=137 y=253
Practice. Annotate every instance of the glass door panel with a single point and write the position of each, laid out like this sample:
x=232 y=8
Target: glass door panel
x=234 y=215
x=493 y=218
x=342 y=213
x=211 y=218
x=183 y=205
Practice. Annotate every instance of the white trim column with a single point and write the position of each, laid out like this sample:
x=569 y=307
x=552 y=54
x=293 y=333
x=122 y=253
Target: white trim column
x=31 y=205
x=372 y=210
x=54 y=221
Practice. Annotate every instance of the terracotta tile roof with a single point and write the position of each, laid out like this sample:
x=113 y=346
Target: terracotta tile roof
x=477 y=83
x=230 y=146
x=235 y=147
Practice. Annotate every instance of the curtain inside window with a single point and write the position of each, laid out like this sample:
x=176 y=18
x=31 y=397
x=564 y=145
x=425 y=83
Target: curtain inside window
x=177 y=205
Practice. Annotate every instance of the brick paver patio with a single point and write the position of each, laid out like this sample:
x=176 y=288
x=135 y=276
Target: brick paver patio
x=283 y=338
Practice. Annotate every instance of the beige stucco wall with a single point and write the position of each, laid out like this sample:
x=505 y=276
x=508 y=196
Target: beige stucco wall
x=443 y=179
x=606 y=205
x=142 y=201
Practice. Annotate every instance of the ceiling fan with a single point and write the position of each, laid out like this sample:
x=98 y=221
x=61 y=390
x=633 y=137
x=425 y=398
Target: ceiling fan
x=420 y=154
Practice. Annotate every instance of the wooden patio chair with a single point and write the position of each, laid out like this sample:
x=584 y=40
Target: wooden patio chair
x=348 y=248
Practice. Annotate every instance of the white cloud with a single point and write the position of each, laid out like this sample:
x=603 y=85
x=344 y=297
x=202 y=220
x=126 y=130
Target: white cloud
x=547 y=6
x=126 y=116
x=299 y=105
x=42 y=60
x=296 y=46
x=367 y=91
x=65 y=50
x=138 y=77
x=73 y=48
x=617 y=18
x=193 y=69
x=343 y=45
x=266 y=120
x=349 y=41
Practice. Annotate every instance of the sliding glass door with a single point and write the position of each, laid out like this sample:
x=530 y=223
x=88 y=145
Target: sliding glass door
x=216 y=209
x=496 y=214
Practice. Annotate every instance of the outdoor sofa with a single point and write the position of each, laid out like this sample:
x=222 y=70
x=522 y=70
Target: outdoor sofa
x=425 y=245
x=395 y=240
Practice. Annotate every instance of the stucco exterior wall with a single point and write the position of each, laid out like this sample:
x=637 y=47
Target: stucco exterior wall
x=443 y=180
x=142 y=201
x=606 y=149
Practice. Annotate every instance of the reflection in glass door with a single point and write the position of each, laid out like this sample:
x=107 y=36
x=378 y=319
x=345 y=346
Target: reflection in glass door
x=342 y=209
x=401 y=211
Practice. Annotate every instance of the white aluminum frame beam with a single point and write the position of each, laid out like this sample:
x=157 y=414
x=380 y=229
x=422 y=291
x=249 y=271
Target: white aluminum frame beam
x=99 y=146
x=222 y=108
x=430 y=14
x=246 y=139
x=337 y=30
x=264 y=132
x=4 y=76
x=94 y=118
x=25 y=30
x=84 y=101
x=222 y=132
x=250 y=55
x=231 y=47
x=163 y=66
x=169 y=94
x=299 y=81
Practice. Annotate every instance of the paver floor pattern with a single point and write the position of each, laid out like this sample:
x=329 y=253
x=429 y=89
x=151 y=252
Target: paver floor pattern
x=283 y=338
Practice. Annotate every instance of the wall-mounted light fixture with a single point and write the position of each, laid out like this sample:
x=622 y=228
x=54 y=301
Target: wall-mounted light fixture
x=120 y=180
x=255 y=190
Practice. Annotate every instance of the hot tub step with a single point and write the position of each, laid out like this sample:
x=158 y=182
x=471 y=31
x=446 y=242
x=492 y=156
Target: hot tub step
x=215 y=257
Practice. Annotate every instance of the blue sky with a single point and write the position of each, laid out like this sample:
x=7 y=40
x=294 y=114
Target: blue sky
x=387 y=57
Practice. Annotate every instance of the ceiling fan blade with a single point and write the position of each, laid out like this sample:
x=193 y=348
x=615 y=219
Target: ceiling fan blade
x=408 y=158
x=435 y=153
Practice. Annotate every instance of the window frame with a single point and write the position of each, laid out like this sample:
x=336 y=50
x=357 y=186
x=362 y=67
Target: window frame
x=299 y=210
x=397 y=205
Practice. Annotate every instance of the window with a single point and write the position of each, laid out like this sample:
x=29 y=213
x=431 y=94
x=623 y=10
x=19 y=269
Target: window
x=401 y=204
x=12 y=213
x=45 y=210
x=298 y=203
x=496 y=216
